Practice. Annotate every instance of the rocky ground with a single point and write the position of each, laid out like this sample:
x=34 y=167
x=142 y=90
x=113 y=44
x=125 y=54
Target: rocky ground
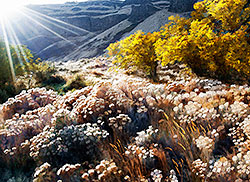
x=126 y=128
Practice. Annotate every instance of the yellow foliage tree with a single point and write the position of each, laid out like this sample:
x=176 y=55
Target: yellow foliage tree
x=136 y=52
x=213 y=42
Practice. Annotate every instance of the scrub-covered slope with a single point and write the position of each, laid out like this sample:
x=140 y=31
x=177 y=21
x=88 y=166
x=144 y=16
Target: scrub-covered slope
x=125 y=128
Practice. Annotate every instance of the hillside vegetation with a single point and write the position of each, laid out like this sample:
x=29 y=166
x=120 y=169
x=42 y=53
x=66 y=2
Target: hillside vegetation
x=23 y=71
x=170 y=113
x=214 y=42
x=87 y=27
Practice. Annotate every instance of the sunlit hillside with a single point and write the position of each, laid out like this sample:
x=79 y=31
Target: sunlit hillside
x=126 y=128
x=166 y=104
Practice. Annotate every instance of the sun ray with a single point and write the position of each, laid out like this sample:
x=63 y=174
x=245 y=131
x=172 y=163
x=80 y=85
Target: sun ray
x=18 y=47
x=50 y=22
x=20 y=29
x=7 y=45
x=48 y=29
x=60 y=21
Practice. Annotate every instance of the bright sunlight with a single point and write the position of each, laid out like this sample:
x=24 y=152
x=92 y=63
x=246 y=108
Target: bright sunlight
x=9 y=8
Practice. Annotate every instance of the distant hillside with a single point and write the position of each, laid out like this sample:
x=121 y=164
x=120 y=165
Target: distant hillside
x=93 y=25
x=155 y=21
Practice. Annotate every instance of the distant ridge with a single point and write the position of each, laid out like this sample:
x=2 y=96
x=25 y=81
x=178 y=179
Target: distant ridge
x=95 y=25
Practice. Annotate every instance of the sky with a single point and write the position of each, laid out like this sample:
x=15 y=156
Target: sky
x=49 y=1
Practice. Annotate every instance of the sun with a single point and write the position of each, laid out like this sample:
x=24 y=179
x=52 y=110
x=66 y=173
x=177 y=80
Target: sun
x=9 y=8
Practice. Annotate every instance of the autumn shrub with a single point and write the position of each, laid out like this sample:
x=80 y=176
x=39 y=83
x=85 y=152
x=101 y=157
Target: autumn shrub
x=214 y=42
x=136 y=52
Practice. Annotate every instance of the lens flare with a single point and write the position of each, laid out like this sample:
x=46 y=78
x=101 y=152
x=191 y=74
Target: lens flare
x=16 y=13
x=10 y=8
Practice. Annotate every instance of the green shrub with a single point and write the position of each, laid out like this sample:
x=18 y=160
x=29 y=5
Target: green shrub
x=76 y=82
x=26 y=66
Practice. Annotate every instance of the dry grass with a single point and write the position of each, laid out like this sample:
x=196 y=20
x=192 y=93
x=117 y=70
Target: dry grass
x=191 y=129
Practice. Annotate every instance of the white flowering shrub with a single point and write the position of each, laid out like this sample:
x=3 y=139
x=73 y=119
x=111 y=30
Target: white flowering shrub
x=128 y=129
x=72 y=143
x=106 y=170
